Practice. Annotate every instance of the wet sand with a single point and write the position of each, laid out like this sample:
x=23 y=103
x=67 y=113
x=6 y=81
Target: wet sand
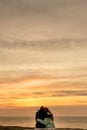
x=30 y=128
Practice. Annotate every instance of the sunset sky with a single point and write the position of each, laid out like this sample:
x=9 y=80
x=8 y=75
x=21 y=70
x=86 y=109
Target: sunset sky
x=43 y=56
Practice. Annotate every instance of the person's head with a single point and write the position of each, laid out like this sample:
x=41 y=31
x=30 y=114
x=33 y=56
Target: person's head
x=49 y=113
x=42 y=107
x=47 y=110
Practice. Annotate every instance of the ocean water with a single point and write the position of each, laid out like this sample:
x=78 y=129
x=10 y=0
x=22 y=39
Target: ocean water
x=60 y=122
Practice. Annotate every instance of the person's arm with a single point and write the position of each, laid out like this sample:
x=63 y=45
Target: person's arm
x=36 y=116
x=44 y=122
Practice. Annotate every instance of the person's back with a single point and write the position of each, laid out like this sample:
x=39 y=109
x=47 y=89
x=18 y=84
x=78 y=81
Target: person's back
x=48 y=121
x=40 y=114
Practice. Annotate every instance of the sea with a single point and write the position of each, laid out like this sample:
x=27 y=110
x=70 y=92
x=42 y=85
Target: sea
x=60 y=122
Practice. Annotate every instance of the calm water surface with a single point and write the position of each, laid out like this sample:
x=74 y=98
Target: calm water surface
x=60 y=122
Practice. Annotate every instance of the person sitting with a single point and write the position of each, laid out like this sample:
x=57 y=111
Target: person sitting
x=40 y=114
x=48 y=120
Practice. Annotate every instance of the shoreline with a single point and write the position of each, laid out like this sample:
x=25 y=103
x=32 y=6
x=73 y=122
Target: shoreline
x=32 y=128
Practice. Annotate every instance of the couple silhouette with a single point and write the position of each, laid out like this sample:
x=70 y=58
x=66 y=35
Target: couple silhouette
x=44 y=118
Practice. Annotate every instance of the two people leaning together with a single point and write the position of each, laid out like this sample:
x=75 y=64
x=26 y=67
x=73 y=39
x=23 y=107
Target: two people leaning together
x=44 y=118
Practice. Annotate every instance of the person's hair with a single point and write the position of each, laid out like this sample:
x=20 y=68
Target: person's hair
x=42 y=107
x=49 y=113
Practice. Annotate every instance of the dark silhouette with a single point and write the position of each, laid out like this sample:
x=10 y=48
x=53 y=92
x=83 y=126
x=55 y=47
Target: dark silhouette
x=40 y=114
x=44 y=118
x=48 y=113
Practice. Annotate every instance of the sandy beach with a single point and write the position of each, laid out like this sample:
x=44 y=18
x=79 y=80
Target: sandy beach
x=31 y=128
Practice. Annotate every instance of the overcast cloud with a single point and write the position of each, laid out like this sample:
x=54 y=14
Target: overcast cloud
x=43 y=43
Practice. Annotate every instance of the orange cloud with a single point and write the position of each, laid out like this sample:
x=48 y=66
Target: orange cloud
x=36 y=91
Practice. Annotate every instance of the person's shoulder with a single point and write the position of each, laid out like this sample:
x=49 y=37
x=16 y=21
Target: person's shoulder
x=38 y=111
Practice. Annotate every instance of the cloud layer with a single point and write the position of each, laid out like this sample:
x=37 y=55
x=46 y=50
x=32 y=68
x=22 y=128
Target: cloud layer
x=41 y=20
x=43 y=52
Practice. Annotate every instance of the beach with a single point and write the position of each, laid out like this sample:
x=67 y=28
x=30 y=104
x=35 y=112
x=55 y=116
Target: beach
x=31 y=128
x=28 y=123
